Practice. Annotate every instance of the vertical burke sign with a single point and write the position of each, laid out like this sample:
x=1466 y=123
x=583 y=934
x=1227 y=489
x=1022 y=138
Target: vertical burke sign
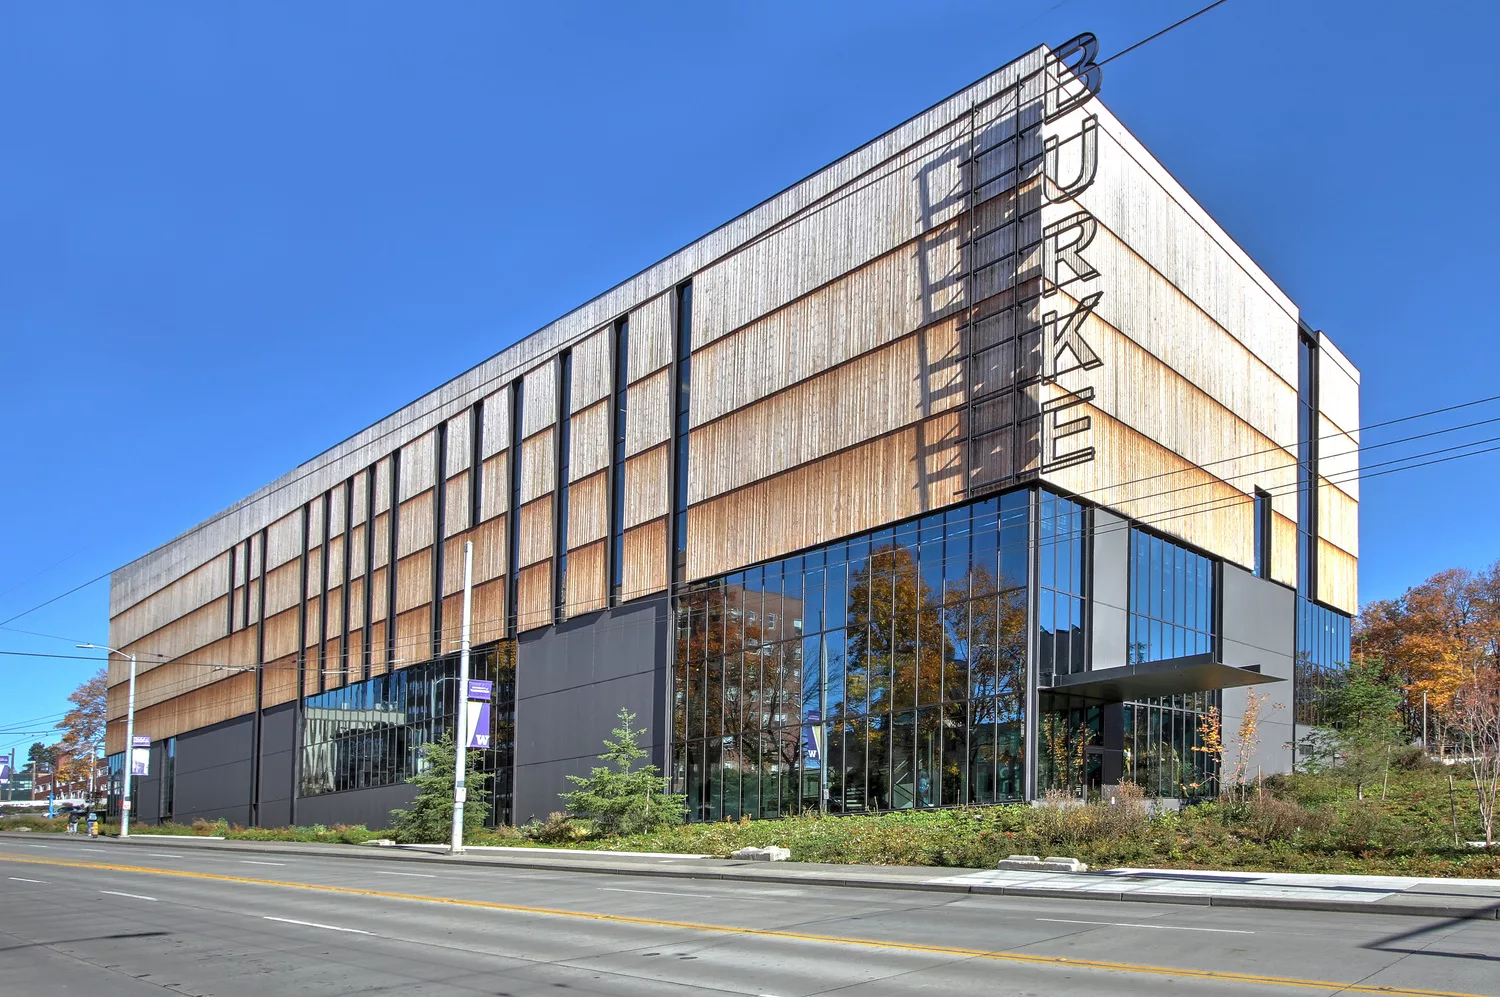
x=1073 y=78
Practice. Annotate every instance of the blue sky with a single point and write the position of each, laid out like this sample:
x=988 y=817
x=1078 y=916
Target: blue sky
x=233 y=235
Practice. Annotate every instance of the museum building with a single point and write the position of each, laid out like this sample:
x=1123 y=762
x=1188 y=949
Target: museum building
x=979 y=465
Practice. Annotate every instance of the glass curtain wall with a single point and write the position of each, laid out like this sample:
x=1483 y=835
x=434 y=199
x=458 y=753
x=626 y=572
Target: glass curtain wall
x=1171 y=600
x=1065 y=760
x=370 y=733
x=1322 y=633
x=882 y=672
x=1322 y=655
x=1173 y=595
x=1061 y=587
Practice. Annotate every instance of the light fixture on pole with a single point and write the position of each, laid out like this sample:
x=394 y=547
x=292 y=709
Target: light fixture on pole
x=129 y=737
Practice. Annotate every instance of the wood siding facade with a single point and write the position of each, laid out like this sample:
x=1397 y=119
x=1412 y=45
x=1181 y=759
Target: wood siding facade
x=1005 y=289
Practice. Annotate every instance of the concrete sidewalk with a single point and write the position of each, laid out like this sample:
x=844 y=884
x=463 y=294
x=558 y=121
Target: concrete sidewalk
x=1413 y=896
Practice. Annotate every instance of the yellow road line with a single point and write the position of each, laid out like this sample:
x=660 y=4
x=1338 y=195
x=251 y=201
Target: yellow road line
x=944 y=950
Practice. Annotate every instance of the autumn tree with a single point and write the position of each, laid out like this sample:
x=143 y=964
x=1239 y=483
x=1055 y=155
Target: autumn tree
x=1475 y=716
x=83 y=732
x=1436 y=636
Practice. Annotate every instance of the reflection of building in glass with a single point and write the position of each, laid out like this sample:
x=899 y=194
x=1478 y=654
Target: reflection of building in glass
x=980 y=464
x=369 y=734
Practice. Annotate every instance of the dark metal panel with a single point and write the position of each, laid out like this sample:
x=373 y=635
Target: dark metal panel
x=1109 y=624
x=572 y=681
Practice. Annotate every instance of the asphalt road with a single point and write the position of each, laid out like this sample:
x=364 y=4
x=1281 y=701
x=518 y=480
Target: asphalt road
x=98 y=917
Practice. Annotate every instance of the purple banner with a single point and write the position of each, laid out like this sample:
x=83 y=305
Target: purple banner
x=140 y=755
x=479 y=725
x=480 y=690
x=812 y=736
x=4 y=773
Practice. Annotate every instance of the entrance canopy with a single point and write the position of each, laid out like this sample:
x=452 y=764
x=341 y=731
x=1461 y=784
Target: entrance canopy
x=1128 y=683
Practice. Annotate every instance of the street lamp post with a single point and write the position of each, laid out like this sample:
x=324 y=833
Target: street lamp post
x=129 y=737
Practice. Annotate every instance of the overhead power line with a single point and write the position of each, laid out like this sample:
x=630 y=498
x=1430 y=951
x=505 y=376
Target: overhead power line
x=1171 y=27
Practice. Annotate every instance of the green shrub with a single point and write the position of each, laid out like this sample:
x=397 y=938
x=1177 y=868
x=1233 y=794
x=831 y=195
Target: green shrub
x=33 y=822
x=619 y=798
x=429 y=819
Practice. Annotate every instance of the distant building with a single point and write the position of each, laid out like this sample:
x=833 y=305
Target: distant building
x=978 y=464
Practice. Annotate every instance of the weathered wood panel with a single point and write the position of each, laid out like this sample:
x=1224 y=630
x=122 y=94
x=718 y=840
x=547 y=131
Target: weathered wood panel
x=356 y=603
x=414 y=581
x=1338 y=578
x=336 y=509
x=334 y=606
x=1135 y=198
x=379 y=659
x=914 y=378
x=358 y=562
x=861 y=311
x=496 y=418
x=284 y=587
x=651 y=337
x=413 y=637
x=284 y=539
x=587 y=589
x=359 y=498
x=280 y=684
x=648 y=412
x=382 y=546
x=1338 y=518
x=335 y=549
x=456 y=504
x=383 y=485
x=1167 y=492
x=589 y=442
x=204 y=584
x=327 y=668
x=647 y=486
x=830 y=238
x=539 y=399
x=378 y=595
x=459 y=446
x=281 y=634
x=489 y=553
x=1338 y=457
x=591 y=373
x=192 y=630
x=536 y=531
x=418 y=465
x=416 y=524
x=494 y=487
x=1338 y=387
x=488 y=612
x=645 y=561
x=225 y=700
x=534 y=599
x=904 y=474
x=314 y=622
x=588 y=510
x=538 y=466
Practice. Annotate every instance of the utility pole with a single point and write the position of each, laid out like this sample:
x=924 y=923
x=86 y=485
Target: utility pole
x=461 y=736
x=129 y=740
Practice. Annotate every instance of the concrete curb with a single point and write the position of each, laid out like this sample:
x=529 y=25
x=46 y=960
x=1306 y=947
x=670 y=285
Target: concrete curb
x=792 y=872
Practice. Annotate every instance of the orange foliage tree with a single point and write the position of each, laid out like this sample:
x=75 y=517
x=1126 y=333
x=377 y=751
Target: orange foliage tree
x=1435 y=637
x=83 y=733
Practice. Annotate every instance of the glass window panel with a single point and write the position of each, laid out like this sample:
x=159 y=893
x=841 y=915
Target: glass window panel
x=836 y=679
x=836 y=596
